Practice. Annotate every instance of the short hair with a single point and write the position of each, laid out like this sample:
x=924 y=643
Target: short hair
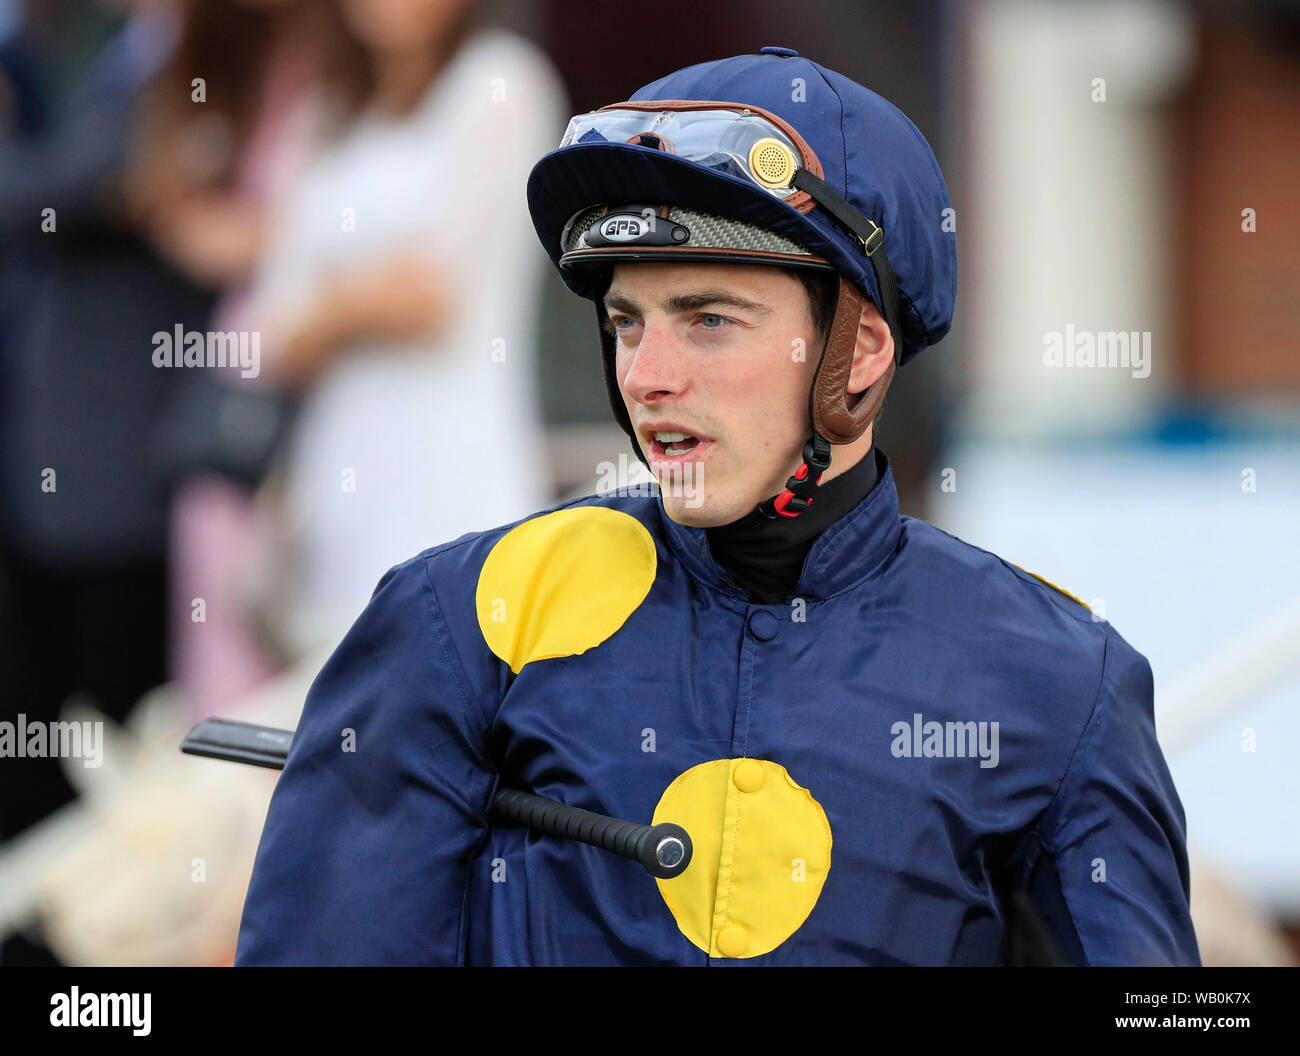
x=822 y=288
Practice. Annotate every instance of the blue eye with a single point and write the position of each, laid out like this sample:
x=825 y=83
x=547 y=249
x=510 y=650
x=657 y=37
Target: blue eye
x=709 y=315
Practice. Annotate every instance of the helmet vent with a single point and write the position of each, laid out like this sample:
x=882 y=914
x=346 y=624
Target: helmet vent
x=771 y=162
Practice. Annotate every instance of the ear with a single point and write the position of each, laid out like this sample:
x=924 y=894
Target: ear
x=874 y=351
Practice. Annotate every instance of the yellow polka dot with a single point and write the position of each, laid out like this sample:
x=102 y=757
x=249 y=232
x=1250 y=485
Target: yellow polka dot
x=562 y=583
x=762 y=851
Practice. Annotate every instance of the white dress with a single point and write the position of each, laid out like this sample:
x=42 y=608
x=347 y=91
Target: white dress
x=400 y=447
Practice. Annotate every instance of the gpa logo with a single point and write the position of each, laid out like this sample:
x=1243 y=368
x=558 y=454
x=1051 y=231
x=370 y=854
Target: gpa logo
x=624 y=228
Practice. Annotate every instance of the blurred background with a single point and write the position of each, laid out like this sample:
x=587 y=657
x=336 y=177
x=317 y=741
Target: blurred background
x=335 y=188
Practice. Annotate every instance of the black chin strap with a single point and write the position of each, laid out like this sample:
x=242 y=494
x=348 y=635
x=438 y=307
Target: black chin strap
x=799 y=489
x=871 y=236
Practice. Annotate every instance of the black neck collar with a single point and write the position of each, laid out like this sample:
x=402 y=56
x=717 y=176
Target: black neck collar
x=765 y=555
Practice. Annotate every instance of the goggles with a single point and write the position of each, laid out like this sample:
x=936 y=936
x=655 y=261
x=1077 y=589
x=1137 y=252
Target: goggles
x=737 y=140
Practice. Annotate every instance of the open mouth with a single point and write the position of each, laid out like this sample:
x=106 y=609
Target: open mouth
x=674 y=444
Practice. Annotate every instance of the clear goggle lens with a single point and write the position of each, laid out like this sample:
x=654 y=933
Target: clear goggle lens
x=737 y=142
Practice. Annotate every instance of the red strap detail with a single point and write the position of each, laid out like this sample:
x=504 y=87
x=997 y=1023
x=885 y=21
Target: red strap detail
x=782 y=501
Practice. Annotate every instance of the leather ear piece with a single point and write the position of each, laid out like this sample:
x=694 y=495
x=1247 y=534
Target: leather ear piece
x=839 y=416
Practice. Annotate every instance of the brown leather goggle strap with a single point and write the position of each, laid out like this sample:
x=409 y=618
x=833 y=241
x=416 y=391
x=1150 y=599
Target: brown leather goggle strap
x=837 y=415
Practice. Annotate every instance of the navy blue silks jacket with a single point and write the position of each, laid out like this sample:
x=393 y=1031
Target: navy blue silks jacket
x=867 y=770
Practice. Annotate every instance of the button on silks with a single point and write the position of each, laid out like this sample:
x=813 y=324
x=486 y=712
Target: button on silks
x=763 y=625
x=785 y=53
x=733 y=940
x=748 y=775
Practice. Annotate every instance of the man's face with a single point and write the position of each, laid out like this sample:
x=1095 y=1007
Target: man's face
x=726 y=354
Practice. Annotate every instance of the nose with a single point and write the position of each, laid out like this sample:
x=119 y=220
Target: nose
x=655 y=369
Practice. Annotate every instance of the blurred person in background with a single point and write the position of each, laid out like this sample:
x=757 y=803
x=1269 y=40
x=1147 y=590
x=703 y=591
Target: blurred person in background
x=24 y=110
x=229 y=122
x=397 y=300
x=83 y=504
x=214 y=153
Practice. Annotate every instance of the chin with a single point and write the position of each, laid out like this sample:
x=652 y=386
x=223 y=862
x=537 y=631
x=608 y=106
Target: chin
x=692 y=518
x=707 y=514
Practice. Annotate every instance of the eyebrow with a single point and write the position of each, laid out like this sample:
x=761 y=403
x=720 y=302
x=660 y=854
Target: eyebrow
x=689 y=302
